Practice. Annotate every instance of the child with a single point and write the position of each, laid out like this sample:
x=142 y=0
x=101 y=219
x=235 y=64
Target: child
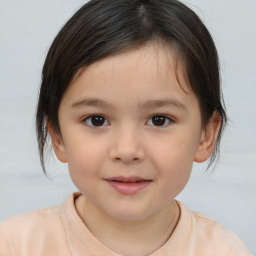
x=130 y=97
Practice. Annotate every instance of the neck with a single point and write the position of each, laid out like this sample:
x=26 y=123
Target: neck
x=140 y=237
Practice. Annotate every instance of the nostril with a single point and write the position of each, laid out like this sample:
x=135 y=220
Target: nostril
x=135 y=159
x=127 y=150
x=127 y=157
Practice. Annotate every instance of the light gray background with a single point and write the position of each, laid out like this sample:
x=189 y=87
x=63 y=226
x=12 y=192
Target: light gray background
x=27 y=28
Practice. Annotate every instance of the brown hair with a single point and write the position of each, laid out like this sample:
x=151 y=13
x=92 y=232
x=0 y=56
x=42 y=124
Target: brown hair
x=102 y=28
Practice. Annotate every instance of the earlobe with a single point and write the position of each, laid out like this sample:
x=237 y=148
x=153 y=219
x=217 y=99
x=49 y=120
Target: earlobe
x=57 y=144
x=208 y=139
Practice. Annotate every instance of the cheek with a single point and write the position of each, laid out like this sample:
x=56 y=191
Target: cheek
x=177 y=151
x=175 y=173
x=84 y=159
x=173 y=160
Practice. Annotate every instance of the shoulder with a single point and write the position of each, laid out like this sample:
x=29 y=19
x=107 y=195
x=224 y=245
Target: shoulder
x=209 y=235
x=32 y=228
x=27 y=220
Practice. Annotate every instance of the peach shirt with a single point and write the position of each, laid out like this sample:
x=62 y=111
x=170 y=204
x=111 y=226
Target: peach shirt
x=60 y=231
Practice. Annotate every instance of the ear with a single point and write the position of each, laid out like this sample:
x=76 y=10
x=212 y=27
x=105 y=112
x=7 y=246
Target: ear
x=57 y=144
x=208 y=138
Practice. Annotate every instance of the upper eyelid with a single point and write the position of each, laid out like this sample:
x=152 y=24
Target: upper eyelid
x=93 y=115
x=163 y=115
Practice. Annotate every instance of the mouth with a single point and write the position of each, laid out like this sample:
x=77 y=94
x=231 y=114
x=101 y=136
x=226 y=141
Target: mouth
x=133 y=179
x=128 y=185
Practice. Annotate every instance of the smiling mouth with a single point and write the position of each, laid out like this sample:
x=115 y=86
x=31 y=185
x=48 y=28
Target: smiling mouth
x=128 y=185
x=128 y=179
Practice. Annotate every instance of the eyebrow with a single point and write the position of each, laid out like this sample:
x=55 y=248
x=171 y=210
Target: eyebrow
x=148 y=104
x=93 y=103
x=164 y=103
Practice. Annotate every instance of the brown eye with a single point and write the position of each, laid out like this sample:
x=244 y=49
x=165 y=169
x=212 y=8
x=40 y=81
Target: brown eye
x=96 y=121
x=159 y=120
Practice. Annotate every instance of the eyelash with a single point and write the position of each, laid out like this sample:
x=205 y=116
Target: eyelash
x=167 y=120
x=103 y=121
x=89 y=119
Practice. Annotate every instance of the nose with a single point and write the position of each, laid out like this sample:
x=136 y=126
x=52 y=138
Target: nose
x=127 y=147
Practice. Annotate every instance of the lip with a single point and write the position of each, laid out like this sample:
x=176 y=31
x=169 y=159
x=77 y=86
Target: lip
x=128 y=185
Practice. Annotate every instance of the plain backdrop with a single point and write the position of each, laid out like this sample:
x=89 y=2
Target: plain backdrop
x=27 y=28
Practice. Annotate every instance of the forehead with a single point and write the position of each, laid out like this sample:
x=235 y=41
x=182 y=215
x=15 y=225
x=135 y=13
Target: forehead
x=151 y=71
x=163 y=55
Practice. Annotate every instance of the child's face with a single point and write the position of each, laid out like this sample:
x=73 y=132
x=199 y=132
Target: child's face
x=145 y=129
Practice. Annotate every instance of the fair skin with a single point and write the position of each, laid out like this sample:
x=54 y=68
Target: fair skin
x=130 y=135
